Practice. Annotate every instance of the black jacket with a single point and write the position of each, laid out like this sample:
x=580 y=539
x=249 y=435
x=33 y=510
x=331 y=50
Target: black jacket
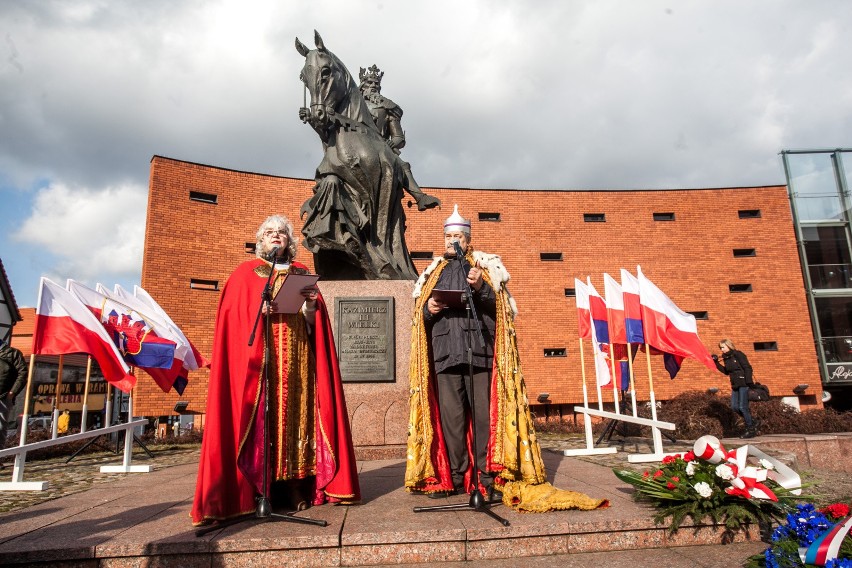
x=13 y=370
x=737 y=367
x=448 y=329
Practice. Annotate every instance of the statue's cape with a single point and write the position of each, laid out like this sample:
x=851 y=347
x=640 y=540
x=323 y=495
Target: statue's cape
x=514 y=454
x=229 y=469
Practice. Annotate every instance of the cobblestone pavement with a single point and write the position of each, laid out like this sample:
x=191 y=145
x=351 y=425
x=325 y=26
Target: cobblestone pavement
x=83 y=473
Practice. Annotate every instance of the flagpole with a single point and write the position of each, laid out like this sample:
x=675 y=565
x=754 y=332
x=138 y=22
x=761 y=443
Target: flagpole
x=54 y=425
x=614 y=386
x=85 y=412
x=587 y=420
x=108 y=407
x=26 y=416
x=632 y=378
x=655 y=432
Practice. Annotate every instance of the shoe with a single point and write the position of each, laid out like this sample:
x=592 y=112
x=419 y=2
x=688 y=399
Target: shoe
x=749 y=433
x=494 y=494
x=442 y=494
x=756 y=425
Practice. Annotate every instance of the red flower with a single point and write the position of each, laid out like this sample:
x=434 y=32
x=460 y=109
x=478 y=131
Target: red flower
x=689 y=456
x=646 y=474
x=669 y=459
x=670 y=485
x=836 y=510
x=675 y=479
x=658 y=473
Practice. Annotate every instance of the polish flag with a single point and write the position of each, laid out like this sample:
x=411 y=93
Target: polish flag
x=64 y=325
x=632 y=308
x=667 y=327
x=584 y=318
x=615 y=302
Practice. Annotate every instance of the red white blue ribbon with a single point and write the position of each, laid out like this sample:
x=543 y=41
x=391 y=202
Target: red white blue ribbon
x=826 y=546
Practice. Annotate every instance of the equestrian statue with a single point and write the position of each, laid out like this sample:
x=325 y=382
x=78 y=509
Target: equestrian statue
x=354 y=223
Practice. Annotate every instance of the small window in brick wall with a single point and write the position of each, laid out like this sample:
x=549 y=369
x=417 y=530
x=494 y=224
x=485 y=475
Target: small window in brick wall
x=199 y=284
x=742 y=253
x=749 y=213
x=594 y=217
x=421 y=255
x=210 y=198
x=489 y=216
x=555 y=256
x=570 y=293
x=766 y=346
x=556 y=352
x=664 y=216
x=736 y=288
x=699 y=315
x=251 y=248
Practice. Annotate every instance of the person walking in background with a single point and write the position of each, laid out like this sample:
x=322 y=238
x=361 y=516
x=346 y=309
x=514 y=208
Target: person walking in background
x=13 y=378
x=735 y=364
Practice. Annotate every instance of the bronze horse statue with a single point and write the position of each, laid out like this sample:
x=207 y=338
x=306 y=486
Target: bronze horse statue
x=354 y=223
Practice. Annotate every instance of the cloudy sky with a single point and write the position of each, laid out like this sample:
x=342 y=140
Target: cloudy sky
x=540 y=94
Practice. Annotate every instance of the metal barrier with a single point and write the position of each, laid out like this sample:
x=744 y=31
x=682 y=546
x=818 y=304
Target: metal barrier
x=20 y=453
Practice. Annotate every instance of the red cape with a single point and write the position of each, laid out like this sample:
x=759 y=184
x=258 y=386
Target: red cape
x=229 y=477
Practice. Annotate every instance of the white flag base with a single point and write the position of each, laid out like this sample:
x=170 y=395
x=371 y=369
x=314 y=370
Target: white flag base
x=125 y=469
x=23 y=485
x=589 y=451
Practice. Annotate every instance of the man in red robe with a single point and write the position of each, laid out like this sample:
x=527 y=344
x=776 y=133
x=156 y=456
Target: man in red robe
x=310 y=438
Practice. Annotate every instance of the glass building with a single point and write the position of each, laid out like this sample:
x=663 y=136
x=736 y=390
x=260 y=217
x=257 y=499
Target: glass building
x=818 y=184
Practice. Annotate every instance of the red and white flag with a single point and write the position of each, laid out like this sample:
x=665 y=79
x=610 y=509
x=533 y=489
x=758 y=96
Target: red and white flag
x=615 y=304
x=667 y=327
x=64 y=325
x=584 y=317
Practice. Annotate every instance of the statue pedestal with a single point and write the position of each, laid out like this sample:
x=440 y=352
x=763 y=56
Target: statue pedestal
x=378 y=411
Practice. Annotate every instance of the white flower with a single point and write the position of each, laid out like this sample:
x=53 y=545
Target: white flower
x=724 y=471
x=766 y=464
x=690 y=469
x=703 y=489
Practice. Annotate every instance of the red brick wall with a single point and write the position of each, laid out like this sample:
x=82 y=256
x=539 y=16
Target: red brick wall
x=690 y=259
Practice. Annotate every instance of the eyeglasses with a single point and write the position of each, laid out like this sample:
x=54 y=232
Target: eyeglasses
x=272 y=233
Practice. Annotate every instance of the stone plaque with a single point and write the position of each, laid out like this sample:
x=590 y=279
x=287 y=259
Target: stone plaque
x=366 y=339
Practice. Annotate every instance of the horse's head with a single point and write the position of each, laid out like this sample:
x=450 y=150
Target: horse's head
x=326 y=78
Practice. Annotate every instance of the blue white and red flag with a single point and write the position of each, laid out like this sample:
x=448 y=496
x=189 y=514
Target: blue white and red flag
x=600 y=347
x=632 y=308
x=133 y=335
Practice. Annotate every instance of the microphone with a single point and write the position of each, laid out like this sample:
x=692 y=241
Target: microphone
x=457 y=246
x=273 y=253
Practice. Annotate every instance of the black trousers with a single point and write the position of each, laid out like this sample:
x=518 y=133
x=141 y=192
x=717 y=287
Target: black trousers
x=454 y=401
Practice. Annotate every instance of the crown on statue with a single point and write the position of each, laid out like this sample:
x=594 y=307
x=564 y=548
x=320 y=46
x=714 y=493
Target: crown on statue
x=371 y=72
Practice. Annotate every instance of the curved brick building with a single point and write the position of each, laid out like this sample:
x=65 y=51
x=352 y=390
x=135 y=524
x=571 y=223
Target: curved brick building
x=728 y=255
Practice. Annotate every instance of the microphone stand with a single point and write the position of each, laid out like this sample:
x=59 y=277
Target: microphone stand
x=477 y=500
x=263 y=510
